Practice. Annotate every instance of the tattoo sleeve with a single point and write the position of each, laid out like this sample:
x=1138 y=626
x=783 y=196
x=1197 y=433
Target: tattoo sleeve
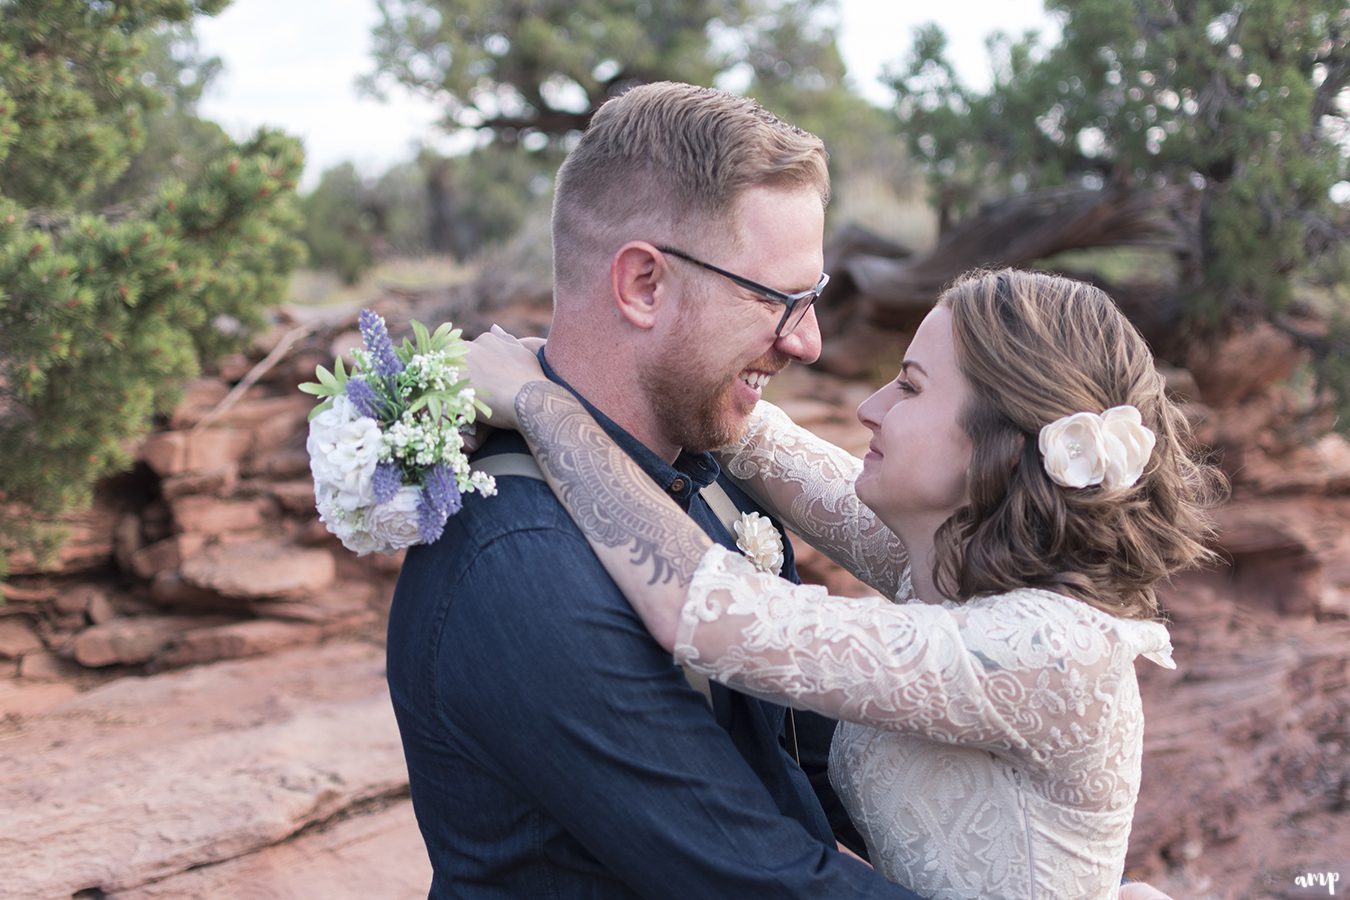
x=646 y=542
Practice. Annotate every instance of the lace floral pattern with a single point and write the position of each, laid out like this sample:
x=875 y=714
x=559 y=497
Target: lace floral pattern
x=808 y=483
x=990 y=748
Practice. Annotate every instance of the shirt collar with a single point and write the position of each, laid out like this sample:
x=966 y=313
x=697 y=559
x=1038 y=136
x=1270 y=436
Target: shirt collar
x=691 y=471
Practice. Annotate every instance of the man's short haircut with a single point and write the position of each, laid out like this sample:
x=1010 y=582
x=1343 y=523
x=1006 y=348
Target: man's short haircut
x=666 y=161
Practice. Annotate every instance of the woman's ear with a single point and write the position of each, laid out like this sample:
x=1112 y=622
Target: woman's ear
x=639 y=283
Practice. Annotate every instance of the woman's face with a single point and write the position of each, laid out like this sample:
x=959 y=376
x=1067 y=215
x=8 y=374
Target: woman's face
x=915 y=471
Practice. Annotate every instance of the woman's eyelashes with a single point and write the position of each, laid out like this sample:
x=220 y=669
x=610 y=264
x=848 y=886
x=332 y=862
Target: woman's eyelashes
x=907 y=388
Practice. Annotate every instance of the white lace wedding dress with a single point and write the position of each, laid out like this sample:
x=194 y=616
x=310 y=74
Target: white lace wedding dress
x=991 y=748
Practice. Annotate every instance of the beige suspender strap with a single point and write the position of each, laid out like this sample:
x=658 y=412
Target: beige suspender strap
x=521 y=464
x=525 y=466
x=729 y=515
x=722 y=507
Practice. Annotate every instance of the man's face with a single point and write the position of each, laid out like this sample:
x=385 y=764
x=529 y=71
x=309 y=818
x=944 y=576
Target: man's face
x=712 y=370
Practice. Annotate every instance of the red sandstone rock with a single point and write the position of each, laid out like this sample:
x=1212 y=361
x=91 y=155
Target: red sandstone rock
x=259 y=569
x=79 y=599
x=252 y=412
x=30 y=699
x=1245 y=364
x=236 y=640
x=145 y=778
x=43 y=665
x=168 y=588
x=88 y=544
x=205 y=515
x=218 y=482
x=127 y=539
x=100 y=609
x=379 y=854
x=283 y=463
x=178 y=452
x=17 y=637
x=155 y=558
x=200 y=396
x=132 y=641
x=295 y=496
x=1321 y=468
x=344 y=598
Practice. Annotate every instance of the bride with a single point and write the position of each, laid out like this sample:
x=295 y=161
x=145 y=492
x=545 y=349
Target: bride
x=1027 y=484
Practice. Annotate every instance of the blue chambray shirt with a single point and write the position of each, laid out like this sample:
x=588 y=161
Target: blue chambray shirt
x=555 y=751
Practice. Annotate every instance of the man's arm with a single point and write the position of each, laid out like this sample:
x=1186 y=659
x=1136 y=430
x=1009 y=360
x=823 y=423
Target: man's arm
x=577 y=704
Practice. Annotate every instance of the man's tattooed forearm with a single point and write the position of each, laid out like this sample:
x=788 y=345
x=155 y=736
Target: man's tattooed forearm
x=609 y=497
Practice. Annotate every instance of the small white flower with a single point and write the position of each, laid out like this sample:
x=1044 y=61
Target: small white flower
x=1087 y=449
x=760 y=542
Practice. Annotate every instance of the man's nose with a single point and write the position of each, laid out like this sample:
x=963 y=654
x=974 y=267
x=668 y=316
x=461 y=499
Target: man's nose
x=803 y=344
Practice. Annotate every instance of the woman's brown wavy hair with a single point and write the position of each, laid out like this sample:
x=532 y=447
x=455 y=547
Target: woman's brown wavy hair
x=1036 y=347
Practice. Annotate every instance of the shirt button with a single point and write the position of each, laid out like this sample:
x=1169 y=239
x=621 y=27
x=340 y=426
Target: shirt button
x=677 y=485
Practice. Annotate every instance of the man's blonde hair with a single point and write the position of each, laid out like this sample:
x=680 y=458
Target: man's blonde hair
x=668 y=162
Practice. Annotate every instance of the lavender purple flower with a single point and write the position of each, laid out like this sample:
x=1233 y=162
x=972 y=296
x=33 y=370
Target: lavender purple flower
x=363 y=397
x=386 y=482
x=441 y=491
x=378 y=344
x=430 y=520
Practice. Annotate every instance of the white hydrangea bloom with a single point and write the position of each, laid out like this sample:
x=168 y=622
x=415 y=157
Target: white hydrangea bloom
x=344 y=449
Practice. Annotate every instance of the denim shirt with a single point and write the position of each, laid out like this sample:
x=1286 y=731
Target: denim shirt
x=554 y=750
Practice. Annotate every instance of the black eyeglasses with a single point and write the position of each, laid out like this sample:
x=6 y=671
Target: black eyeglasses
x=797 y=304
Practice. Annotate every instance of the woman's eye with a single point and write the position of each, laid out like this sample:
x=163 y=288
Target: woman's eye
x=905 y=386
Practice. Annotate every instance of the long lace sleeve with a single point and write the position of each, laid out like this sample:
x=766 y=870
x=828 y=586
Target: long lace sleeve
x=807 y=483
x=1029 y=674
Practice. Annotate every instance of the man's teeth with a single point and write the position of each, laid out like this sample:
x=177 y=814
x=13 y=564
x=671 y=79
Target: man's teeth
x=756 y=380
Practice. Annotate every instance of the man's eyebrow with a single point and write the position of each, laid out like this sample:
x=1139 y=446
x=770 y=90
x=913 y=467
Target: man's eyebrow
x=911 y=364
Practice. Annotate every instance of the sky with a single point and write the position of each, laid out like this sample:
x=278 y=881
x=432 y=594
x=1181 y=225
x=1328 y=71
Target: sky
x=294 y=65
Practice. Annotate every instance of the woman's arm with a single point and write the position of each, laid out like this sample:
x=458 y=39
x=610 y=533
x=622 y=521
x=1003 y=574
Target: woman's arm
x=807 y=483
x=1019 y=677
x=647 y=543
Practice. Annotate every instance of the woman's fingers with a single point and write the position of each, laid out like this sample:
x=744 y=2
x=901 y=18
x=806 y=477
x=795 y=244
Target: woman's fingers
x=498 y=366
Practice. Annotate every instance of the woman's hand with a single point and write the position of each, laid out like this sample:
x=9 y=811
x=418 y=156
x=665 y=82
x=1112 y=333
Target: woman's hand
x=498 y=366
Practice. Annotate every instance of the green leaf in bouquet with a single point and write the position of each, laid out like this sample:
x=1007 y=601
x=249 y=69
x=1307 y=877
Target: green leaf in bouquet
x=423 y=337
x=330 y=384
x=327 y=404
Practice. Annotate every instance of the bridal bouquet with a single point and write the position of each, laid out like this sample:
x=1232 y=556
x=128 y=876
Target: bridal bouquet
x=385 y=446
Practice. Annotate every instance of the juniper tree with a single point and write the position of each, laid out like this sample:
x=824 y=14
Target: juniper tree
x=106 y=310
x=1241 y=109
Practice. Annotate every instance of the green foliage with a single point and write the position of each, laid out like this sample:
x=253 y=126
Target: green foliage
x=528 y=74
x=178 y=144
x=1241 y=104
x=433 y=204
x=535 y=70
x=104 y=312
x=339 y=229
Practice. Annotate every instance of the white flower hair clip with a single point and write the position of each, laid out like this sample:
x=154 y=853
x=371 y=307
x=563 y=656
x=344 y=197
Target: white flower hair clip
x=760 y=542
x=1086 y=449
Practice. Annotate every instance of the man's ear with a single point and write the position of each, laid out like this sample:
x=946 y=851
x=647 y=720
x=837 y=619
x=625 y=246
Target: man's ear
x=639 y=283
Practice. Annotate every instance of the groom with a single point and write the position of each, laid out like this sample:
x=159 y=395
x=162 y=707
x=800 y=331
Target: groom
x=553 y=748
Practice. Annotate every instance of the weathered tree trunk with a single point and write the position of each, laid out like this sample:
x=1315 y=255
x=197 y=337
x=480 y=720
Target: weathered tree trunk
x=893 y=289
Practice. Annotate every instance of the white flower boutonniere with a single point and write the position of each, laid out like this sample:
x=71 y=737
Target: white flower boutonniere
x=760 y=542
